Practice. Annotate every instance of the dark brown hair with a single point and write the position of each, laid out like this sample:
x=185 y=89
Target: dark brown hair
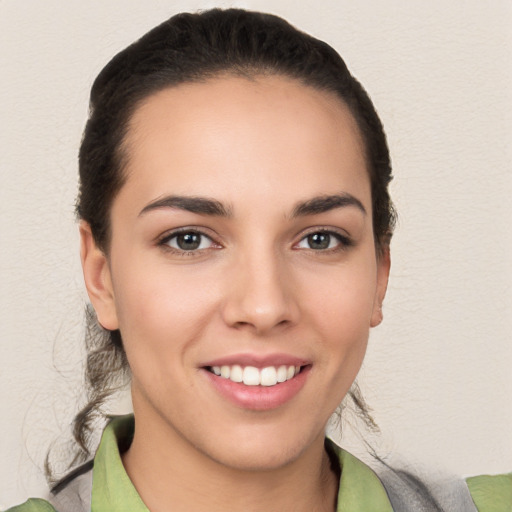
x=191 y=48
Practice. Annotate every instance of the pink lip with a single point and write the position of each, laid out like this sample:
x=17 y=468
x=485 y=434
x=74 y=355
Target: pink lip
x=257 y=398
x=258 y=360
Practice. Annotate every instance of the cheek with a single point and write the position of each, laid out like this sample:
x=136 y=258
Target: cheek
x=341 y=305
x=342 y=298
x=160 y=307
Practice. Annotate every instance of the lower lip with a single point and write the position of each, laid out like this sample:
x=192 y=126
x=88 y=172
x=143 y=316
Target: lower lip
x=258 y=398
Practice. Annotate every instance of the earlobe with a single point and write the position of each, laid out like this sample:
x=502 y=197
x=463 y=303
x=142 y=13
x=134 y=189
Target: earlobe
x=383 y=267
x=97 y=279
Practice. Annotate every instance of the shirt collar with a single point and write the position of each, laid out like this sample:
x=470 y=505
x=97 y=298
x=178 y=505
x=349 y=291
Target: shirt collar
x=112 y=489
x=360 y=489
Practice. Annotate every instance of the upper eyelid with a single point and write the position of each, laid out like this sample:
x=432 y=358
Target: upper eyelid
x=324 y=229
x=163 y=242
x=167 y=235
x=344 y=239
x=216 y=239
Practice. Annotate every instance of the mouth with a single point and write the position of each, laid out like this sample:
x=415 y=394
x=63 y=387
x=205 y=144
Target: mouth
x=253 y=376
x=258 y=383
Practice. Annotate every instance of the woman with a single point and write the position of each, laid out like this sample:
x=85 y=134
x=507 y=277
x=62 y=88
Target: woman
x=235 y=226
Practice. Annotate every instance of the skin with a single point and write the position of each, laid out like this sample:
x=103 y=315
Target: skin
x=260 y=148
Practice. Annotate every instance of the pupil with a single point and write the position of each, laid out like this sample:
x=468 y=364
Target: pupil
x=188 y=241
x=319 y=241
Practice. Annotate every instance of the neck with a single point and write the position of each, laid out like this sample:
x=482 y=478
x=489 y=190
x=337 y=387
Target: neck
x=171 y=474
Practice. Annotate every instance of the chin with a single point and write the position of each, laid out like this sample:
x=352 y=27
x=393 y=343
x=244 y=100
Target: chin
x=258 y=460
x=254 y=450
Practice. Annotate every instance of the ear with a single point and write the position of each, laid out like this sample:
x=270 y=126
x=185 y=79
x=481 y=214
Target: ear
x=383 y=266
x=97 y=279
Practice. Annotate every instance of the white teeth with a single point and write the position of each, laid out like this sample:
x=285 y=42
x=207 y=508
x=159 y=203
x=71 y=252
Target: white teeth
x=268 y=376
x=252 y=376
x=281 y=373
x=225 y=371
x=237 y=373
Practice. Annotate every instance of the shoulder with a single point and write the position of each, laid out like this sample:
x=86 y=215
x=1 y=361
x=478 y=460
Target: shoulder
x=73 y=493
x=491 y=493
x=33 y=505
x=403 y=487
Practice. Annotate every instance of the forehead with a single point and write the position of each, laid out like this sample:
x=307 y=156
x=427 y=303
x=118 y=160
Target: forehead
x=232 y=134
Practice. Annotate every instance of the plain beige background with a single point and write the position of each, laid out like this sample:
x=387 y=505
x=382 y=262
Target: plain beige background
x=438 y=370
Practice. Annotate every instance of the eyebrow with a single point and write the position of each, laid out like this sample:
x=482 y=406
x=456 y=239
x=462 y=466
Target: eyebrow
x=325 y=203
x=207 y=206
x=200 y=205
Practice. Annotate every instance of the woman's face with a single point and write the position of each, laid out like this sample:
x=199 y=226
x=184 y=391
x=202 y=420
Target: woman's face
x=242 y=243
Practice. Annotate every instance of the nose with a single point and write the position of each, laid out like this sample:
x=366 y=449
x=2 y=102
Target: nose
x=261 y=294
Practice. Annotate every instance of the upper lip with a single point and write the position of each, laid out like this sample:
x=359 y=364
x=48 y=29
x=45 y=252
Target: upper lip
x=258 y=360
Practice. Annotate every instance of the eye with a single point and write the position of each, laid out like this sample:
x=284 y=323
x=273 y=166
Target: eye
x=323 y=240
x=188 y=241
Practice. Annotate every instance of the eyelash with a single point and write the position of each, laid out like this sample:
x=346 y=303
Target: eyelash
x=343 y=241
x=166 y=239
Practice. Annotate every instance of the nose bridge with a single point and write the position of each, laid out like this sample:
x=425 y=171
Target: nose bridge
x=260 y=290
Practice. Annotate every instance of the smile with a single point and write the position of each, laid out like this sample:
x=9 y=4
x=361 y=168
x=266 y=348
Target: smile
x=252 y=376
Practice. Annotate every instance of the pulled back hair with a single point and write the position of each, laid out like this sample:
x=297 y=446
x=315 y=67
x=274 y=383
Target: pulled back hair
x=194 y=48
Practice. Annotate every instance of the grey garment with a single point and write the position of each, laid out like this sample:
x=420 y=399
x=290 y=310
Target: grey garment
x=410 y=492
x=73 y=493
x=407 y=492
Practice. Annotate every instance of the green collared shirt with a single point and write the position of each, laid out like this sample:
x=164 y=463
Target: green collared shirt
x=360 y=489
